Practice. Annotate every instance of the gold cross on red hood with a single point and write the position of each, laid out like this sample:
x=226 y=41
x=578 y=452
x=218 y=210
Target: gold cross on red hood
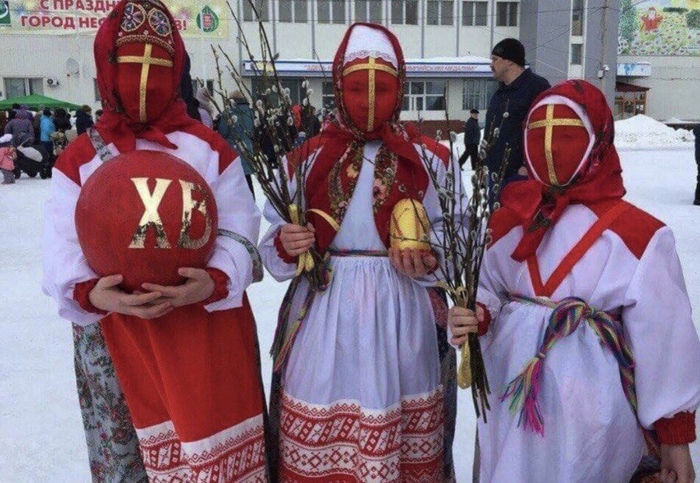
x=549 y=123
x=372 y=67
x=146 y=61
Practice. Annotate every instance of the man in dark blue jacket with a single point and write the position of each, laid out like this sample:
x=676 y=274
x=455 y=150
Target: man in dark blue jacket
x=519 y=87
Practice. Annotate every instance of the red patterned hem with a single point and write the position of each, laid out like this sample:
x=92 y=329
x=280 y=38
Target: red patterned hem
x=344 y=442
x=234 y=454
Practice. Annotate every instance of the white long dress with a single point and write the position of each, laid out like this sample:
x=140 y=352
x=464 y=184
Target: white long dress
x=590 y=431
x=361 y=395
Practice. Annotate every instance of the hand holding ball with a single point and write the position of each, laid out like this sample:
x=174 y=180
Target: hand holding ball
x=144 y=215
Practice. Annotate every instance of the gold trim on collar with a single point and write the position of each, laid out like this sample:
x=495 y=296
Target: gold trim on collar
x=549 y=123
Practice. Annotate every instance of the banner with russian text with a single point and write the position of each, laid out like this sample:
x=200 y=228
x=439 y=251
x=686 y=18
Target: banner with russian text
x=194 y=18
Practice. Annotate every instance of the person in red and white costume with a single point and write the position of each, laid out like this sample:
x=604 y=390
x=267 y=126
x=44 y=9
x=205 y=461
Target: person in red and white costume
x=361 y=395
x=186 y=356
x=587 y=336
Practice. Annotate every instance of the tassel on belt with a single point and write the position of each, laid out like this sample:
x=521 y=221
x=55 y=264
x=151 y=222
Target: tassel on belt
x=566 y=317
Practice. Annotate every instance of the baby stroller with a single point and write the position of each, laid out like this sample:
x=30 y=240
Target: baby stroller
x=32 y=158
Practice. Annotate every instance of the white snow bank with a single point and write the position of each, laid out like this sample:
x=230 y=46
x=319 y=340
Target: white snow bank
x=643 y=131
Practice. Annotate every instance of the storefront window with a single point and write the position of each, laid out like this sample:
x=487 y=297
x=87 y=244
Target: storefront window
x=404 y=12
x=22 y=86
x=425 y=96
x=368 y=11
x=507 y=14
x=474 y=13
x=261 y=6
x=476 y=93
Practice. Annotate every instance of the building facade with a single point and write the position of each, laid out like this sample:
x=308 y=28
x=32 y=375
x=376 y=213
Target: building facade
x=46 y=46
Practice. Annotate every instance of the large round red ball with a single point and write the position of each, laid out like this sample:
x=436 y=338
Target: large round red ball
x=144 y=215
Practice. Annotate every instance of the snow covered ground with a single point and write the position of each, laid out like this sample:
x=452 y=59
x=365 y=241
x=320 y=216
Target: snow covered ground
x=41 y=435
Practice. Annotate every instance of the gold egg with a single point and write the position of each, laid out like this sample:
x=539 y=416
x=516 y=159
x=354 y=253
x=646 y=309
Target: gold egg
x=409 y=227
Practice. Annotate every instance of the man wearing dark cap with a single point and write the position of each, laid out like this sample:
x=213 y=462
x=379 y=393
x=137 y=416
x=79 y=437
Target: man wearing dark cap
x=472 y=138
x=518 y=88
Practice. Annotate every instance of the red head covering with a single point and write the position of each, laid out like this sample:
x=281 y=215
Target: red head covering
x=368 y=70
x=570 y=156
x=369 y=73
x=140 y=56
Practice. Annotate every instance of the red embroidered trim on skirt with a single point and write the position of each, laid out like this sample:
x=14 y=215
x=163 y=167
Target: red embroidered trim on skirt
x=234 y=454
x=344 y=442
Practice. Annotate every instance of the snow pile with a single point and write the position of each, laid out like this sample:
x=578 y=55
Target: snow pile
x=643 y=131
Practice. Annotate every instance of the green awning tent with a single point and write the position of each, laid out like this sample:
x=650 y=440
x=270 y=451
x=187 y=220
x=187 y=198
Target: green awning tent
x=35 y=101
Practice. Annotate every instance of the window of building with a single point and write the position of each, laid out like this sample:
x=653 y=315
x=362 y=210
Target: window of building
x=368 y=11
x=404 y=12
x=331 y=11
x=507 y=14
x=576 y=54
x=293 y=11
x=262 y=6
x=474 y=13
x=425 y=96
x=440 y=12
x=476 y=93
x=23 y=86
x=577 y=18
x=328 y=96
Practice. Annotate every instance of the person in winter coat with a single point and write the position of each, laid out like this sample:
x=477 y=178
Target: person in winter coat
x=20 y=124
x=61 y=120
x=184 y=356
x=519 y=86
x=83 y=119
x=237 y=126
x=36 y=121
x=472 y=138
x=186 y=91
x=3 y=121
x=587 y=332
x=696 y=131
x=7 y=159
x=47 y=128
x=25 y=108
x=206 y=110
x=310 y=123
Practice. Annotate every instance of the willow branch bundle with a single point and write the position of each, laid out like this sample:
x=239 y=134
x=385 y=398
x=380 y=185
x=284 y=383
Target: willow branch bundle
x=272 y=122
x=462 y=241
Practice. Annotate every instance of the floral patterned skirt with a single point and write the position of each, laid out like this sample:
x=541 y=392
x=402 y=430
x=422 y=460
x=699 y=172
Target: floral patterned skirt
x=113 y=447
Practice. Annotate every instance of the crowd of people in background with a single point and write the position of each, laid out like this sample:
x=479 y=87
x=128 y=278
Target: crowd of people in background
x=50 y=130
x=32 y=140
